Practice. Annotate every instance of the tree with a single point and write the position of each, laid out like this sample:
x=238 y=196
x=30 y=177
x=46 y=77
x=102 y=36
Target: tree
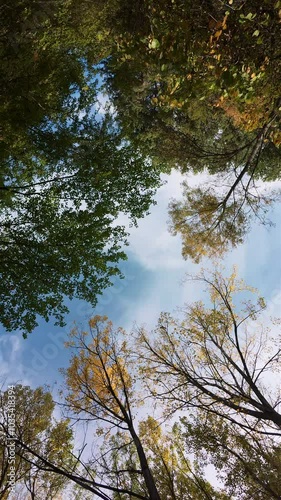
x=48 y=51
x=248 y=464
x=212 y=365
x=42 y=449
x=47 y=463
x=212 y=361
x=101 y=388
x=136 y=458
x=218 y=365
x=175 y=474
x=212 y=219
x=185 y=94
x=177 y=65
x=57 y=234
x=61 y=162
x=27 y=416
x=56 y=448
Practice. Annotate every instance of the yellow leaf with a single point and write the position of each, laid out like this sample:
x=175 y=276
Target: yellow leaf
x=224 y=22
x=175 y=88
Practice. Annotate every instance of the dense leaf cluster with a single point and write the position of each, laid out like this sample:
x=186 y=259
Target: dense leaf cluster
x=193 y=85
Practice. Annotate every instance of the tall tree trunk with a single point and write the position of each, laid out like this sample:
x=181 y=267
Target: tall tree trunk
x=148 y=477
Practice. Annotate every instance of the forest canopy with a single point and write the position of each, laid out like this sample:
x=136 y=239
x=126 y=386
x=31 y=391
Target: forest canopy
x=191 y=85
x=159 y=407
x=100 y=99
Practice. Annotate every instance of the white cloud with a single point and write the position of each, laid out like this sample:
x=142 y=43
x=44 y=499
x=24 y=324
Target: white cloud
x=151 y=243
x=11 y=366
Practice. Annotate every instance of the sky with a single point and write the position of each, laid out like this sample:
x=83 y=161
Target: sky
x=154 y=282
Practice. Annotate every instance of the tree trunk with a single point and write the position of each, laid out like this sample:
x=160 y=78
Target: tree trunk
x=149 y=480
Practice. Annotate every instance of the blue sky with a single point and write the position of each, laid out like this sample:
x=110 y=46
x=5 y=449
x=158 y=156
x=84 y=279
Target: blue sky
x=154 y=274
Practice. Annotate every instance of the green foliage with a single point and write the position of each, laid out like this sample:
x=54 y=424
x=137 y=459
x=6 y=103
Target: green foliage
x=48 y=52
x=192 y=85
x=57 y=233
x=249 y=465
x=66 y=172
x=36 y=428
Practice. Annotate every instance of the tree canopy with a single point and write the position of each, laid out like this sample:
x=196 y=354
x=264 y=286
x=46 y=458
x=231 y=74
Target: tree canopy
x=217 y=358
x=195 y=84
x=202 y=389
x=182 y=94
x=181 y=64
x=66 y=170
x=191 y=85
x=57 y=233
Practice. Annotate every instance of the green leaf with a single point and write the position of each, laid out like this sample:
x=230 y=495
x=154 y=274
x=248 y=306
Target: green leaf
x=250 y=16
x=154 y=44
